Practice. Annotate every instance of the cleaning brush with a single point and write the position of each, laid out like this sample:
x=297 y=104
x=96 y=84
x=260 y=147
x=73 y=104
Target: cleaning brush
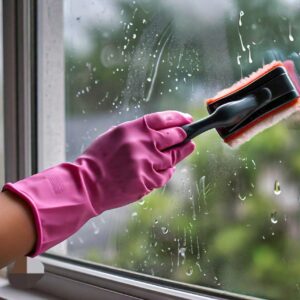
x=252 y=104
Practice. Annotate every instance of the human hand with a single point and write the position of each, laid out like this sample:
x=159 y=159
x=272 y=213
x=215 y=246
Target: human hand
x=130 y=160
x=119 y=167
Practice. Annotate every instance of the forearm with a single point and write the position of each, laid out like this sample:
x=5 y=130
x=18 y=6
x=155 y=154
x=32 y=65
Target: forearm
x=17 y=229
x=119 y=167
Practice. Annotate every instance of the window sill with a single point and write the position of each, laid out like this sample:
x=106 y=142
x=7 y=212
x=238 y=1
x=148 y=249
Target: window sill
x=74 y=279
x=8 y=292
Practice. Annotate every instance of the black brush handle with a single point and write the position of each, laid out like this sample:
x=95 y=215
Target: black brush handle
x=225 y=115
x=198 y=127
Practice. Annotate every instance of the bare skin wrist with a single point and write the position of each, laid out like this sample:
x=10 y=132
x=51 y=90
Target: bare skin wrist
x=17 y=228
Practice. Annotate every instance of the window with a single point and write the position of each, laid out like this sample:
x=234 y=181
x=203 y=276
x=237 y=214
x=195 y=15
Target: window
x=229 y=219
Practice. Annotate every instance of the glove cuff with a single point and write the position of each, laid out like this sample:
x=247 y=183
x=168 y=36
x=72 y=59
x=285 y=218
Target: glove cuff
x=59 y=202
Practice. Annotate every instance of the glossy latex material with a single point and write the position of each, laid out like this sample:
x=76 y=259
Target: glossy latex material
x=121 y=166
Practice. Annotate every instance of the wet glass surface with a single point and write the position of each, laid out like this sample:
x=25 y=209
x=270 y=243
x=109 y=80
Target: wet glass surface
x=228 y=219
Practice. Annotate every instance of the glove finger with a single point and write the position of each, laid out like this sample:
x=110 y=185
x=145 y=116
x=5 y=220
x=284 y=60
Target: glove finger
x=168 y=175
x=177 y=154
x=167 y=119
x=162 y=177
x=169 y=137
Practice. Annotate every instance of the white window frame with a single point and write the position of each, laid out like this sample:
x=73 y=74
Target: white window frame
x=51 y=88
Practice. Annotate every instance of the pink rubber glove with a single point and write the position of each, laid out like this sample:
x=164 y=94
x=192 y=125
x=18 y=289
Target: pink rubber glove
x=119 y=167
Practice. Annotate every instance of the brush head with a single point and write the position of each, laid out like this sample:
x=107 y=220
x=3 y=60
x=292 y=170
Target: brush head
x=281 y=79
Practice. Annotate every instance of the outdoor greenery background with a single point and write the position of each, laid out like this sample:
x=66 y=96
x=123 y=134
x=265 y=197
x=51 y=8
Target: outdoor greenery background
x=212 y=224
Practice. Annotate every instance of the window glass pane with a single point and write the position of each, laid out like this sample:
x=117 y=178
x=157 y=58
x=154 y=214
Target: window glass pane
x=229 y=219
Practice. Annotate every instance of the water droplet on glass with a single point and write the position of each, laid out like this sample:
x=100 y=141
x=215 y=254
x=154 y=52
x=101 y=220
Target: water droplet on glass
x=291 y=38
x=240 y=20
x=238 y=59
x=274 y=219
x=88 y=65
x=241 y=40
x=199 y=267
x=164 y=230
x=189 y=271
x=149 y=79
x=277 y=189
x=142 y=202
x=243 y=198
x=144 y=21
x=250 y=58
x=95 y=228
x=155 y=221
x=181 y=251
x=134 y=214
x=134 y=36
